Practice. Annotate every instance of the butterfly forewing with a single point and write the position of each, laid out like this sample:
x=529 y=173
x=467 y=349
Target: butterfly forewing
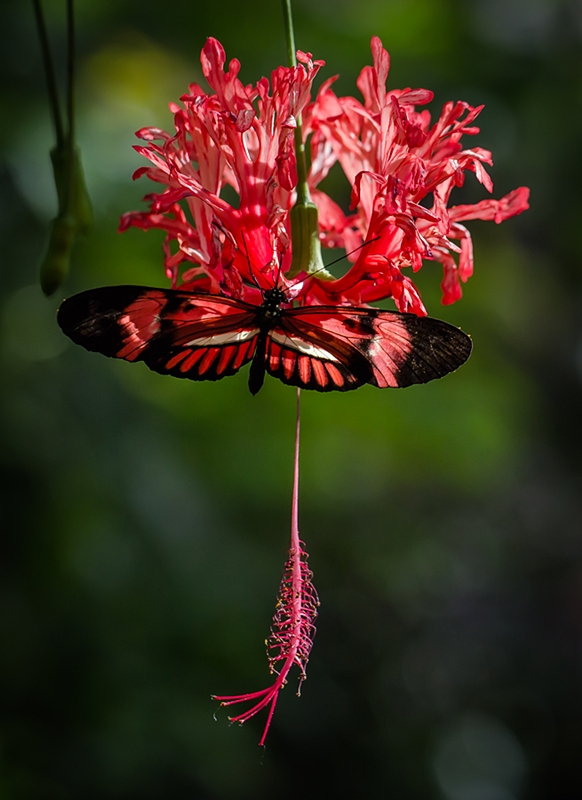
x=188 y=335
x=366 y=345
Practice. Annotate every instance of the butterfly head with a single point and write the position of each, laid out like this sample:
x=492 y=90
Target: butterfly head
x=273 y=299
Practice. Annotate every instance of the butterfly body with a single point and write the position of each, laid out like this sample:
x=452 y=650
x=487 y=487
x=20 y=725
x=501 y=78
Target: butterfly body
x=268 y=315
x=207 y=337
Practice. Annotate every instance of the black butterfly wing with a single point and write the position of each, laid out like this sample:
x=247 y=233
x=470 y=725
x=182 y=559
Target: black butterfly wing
x=339 y=348
x=185 y=334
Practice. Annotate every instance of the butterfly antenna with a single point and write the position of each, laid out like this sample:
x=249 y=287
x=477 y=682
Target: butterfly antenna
x=341 y=258
x=355 y=250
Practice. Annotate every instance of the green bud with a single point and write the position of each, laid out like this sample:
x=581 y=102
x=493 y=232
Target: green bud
x=55 y=266
x=305 y=241
x=75 y=216
x=72 y=191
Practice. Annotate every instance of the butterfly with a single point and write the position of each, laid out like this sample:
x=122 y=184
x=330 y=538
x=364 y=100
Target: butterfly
x=205 y=337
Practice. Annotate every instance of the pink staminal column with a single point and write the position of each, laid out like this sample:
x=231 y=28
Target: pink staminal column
x=293 y=628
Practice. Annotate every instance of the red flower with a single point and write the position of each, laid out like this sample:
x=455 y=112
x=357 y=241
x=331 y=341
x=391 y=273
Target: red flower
x=394 y=159
x=240 y=137
x=402 y=170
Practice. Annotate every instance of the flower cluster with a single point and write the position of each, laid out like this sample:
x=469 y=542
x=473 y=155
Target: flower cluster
x=401 y=167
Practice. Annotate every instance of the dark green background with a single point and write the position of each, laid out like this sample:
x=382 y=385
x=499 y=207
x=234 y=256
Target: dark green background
x=145 y=520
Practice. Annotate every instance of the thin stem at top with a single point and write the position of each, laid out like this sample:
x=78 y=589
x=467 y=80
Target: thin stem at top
x=302 y=189
x=49 y=71
x=289 y=33
x=70 y=73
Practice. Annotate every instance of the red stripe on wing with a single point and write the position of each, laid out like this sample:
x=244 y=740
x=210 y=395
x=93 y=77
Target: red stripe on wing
x=310 y=363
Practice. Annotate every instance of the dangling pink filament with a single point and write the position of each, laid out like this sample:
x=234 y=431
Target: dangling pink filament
x=292 y=629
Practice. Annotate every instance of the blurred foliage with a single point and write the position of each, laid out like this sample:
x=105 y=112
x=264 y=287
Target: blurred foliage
x=146 y=519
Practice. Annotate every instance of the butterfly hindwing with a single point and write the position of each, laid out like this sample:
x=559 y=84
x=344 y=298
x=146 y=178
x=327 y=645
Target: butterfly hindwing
x=311 y=358
x=185 y=334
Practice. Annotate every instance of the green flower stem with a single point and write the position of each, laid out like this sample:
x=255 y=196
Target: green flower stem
x=302 y=188
x=49 y=71
x=306 y=247
x=289 y=33
x=71 y=75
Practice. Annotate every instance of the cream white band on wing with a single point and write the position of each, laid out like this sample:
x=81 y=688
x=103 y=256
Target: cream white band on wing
x=301 y=346
x=231 y=337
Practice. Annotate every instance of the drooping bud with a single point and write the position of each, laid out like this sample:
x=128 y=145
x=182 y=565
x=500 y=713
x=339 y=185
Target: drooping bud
x=72 y=193
x=55 y=265
x=75 y=216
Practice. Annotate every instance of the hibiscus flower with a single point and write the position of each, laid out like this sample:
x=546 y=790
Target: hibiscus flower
x=402 y=170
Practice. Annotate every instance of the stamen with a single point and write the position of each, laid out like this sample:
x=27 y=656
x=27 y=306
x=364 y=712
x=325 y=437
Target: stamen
x=293 y=626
